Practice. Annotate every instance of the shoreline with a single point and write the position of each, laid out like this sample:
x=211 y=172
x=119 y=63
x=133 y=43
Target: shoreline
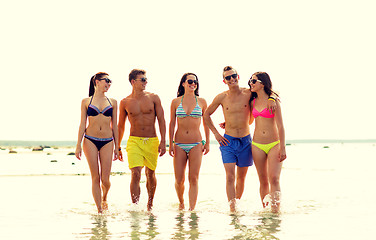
x=8 y=144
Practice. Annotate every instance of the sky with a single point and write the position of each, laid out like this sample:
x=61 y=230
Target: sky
x=319 y=54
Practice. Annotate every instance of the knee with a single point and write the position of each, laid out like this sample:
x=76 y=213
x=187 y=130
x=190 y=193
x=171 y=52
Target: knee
x=136 y=175
x=179 y=181
x=274 y=181
x=95 y=179
x=106 y=181
x=193 y=180
x=230 y=178
x=150 y=175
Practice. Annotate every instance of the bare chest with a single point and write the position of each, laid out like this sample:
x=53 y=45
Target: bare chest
x=137 y=108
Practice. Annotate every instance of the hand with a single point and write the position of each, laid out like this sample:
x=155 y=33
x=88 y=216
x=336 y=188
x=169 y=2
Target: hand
x=162 y=149
x=272 y=106
x=222 y=125
x=206 y=148
x=171 y=149
x=120 y=157
x=221 y=140
x=282 y=154
x=78 y=152
x=116 y=154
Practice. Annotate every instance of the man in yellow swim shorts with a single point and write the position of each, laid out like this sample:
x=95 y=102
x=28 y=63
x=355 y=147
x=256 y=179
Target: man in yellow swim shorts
x=143 y=147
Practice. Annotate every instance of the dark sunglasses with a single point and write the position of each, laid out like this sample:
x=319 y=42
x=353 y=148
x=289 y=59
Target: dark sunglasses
x=106 y=79
x=142 y=80
x=190 y=81
x=253 y=81
x=234 y=76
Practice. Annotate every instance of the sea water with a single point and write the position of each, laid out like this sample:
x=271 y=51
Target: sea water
x=327 y=193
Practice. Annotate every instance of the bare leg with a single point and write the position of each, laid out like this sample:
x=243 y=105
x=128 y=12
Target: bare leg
x=180 y=163
x=241 y=173
x=274 y=172
x=260 y=160
x=230 y=184
x=135 y=184
x=195 y=158
x=105 y=158
x=91 y=154
x=151 y=184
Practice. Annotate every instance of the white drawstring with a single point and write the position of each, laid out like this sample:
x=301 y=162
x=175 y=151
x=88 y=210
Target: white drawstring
x=145 y=140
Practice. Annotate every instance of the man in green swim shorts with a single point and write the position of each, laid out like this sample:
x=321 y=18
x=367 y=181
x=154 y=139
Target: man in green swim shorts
x=143 y=147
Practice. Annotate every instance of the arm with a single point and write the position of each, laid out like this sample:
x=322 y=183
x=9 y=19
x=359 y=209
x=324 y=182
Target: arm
x=171 y=131
x=115 y=131
x=81 y=129
x=206 y=129
x=251 y=118
x=162 y=125
x=122 y=118
x=209 y=122
x=281 y=132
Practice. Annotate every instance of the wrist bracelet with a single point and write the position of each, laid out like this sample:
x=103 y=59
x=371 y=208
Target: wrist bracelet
x=119 y=148
x=270 y=98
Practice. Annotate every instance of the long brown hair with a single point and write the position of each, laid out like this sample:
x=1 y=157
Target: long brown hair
x=265 y=79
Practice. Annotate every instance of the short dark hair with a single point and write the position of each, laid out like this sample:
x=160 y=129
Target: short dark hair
x=227 y=68
x=133 y=74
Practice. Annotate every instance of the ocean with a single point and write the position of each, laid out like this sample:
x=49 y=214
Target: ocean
x=326 y=187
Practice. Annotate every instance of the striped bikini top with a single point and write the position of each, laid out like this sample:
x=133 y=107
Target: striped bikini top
x=196 y=112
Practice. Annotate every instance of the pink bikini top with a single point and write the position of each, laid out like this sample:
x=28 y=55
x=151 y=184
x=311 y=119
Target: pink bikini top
x=264 y=113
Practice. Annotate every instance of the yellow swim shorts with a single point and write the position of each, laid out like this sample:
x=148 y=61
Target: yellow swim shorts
x=142 y=151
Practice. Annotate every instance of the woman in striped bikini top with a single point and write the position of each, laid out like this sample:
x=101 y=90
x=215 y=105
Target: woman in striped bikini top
x=186 y=144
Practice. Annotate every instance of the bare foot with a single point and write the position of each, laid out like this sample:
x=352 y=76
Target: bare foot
x=232 y=205
x=104 y=205
x=181 y=206
x=150 y=205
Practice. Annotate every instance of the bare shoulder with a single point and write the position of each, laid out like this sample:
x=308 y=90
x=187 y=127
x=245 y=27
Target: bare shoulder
x=201 y=100
x=176 y=100
x=220 y=97
x=246 y=91
x=152 y=96
x=113 y=101
x=85 y=101
x=126 y=99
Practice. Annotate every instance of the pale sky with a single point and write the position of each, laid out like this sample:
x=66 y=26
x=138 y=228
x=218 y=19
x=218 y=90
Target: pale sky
x=320 y=56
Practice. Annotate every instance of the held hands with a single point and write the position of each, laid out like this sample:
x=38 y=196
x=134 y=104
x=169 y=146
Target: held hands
x=116 y=154
x=120 y=156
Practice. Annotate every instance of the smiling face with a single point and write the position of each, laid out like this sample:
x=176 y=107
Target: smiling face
x=190 y=84
x=231 y=78
x=255 y=84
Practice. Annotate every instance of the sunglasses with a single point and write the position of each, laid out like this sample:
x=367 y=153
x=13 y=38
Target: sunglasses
x=142 y=79
x=106 y=79
x=253 y=81
x=234 y=76
x=190 y=81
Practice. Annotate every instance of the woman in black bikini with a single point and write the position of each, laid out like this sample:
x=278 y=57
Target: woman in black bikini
x=101 y=135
